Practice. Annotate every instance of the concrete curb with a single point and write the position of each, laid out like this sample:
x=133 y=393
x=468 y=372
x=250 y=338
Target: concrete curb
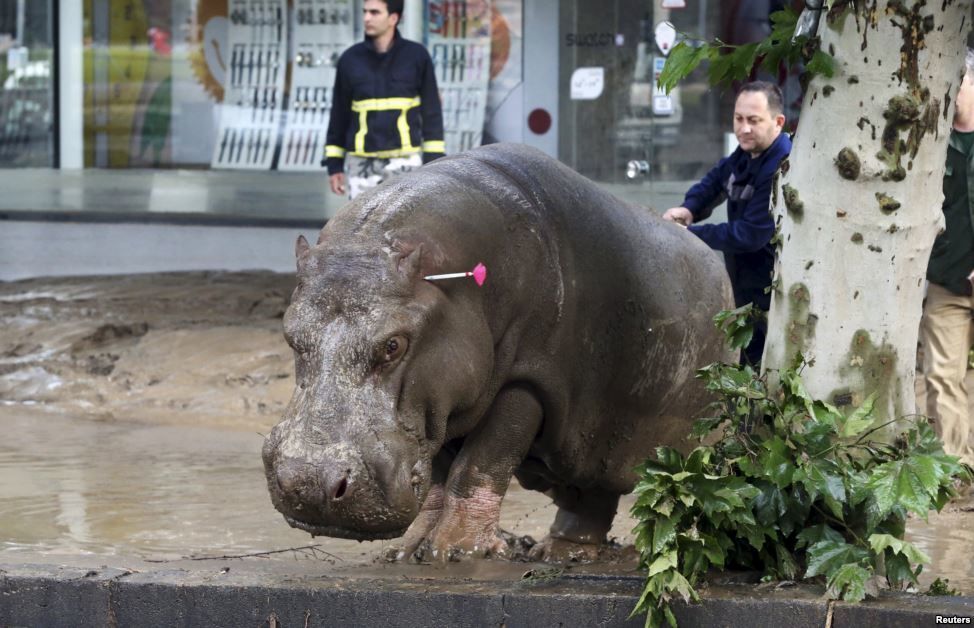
x=73 y=596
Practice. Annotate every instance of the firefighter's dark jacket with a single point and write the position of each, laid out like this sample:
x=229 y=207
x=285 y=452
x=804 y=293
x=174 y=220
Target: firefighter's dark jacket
x=384 y=105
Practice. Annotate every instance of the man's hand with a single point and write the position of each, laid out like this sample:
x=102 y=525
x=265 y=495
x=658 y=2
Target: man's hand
x=337 y=183
x=679 y=215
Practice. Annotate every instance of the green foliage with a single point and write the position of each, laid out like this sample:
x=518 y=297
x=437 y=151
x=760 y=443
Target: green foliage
x=791 y=486
x=738 y=325
x=941 y=587
x=730 y=63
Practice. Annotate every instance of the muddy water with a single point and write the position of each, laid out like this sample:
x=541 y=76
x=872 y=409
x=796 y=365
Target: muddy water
x=70 y=485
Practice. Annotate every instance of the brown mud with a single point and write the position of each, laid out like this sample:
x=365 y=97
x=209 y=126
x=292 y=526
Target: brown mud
x=133 y=408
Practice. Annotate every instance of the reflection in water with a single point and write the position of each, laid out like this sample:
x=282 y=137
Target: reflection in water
x=75 y=486
x=948 y=539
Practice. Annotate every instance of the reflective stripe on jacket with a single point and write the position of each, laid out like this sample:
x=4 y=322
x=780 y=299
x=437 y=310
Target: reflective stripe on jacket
x=385 y=105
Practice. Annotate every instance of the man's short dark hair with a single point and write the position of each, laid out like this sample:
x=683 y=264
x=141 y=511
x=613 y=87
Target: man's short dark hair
x=395 y=6
x=776 y=102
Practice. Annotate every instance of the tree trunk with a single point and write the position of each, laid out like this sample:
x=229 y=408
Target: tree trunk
x=858 y=204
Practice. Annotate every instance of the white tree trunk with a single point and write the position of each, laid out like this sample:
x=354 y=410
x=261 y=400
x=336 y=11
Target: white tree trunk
x=849 y=278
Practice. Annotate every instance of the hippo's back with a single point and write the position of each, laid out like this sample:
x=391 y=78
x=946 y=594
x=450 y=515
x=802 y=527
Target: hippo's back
x=636 y=298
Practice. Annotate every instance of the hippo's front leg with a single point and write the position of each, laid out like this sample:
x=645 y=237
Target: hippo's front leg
x=430 y=511
x=480 y=475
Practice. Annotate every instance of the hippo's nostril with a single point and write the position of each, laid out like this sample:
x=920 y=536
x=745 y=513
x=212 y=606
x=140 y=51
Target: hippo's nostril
x=341 y=488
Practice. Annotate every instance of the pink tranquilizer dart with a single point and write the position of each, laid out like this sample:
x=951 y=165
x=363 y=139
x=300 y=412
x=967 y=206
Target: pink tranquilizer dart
x=479 y=274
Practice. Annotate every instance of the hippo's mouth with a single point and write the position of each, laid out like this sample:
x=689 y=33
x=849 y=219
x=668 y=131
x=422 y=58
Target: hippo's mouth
x=343 y=533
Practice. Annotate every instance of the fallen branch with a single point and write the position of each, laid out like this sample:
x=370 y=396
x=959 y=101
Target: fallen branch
x=314 y=549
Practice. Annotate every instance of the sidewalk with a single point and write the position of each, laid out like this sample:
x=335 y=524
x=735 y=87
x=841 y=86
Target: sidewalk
x=168 y=196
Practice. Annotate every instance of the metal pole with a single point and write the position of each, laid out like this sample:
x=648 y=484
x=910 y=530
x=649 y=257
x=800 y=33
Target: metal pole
x=71 y=80
x=20 y=22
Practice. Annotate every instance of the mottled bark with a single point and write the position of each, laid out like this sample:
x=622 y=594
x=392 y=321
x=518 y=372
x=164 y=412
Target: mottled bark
x=859 y=202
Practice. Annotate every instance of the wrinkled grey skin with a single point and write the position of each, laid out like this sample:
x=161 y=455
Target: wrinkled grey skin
x=566 y=369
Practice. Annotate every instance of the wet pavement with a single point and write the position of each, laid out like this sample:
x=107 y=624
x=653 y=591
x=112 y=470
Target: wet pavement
x=79 y=487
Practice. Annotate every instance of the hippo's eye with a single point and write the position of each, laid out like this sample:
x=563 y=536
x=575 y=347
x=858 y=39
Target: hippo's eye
x=393 y=349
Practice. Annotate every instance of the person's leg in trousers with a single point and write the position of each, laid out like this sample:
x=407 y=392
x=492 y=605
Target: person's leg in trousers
x=946 y=333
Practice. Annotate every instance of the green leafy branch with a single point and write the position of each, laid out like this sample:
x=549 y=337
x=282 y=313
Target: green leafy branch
x=792 y=487
x=730 y=63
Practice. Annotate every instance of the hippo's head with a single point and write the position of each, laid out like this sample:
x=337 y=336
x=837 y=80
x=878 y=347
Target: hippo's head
x=382 y=360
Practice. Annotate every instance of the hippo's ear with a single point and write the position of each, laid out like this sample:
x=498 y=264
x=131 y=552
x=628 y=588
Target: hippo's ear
x=409 y=265
x=301 y=249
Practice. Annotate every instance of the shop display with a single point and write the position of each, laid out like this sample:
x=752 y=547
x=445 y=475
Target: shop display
x=254 y=85
x=458 y=37
x=268 y=67
x=323 y=29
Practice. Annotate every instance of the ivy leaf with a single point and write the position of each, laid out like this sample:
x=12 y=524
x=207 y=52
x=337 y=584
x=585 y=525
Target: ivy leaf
x=794 y=388
x=682 y=60
x=881 y=542
x=778 y=47
x=826 y=413
x=664 y=562
x=664 y=532
x=787 y=566
x=816 y=534
x=823 y=478
x=694 y=558
x=849 y=583
x=703 y=427
x=715 y=548
x=776 y=462
x=821 y=63
x=734 y=66
x=912 y=482
x=669 y=459
x=818 y=437
x=755 y=534
x=770 y=506
x=898 y=570
x=861 y=419
x=828 y=555
x=737 y=324
x=699 y=460
x=676 y=582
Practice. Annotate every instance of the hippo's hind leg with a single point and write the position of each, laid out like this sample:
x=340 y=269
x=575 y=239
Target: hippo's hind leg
x=583 y=520
x=479 y=477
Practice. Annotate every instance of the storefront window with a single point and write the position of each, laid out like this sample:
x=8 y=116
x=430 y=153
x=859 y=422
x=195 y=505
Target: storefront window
x=246 y=84
x=26 y=84
x=151 y=82
x=615 y=126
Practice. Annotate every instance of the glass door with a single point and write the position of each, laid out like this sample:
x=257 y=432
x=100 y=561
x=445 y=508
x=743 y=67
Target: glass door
x=26 y=84
x=615 y=126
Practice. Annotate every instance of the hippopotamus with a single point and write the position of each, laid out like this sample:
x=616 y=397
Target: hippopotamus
x=416 y=401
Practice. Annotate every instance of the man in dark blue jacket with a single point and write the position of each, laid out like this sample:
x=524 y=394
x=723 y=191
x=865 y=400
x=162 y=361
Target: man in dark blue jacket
x=744 y=180
x=385 y=115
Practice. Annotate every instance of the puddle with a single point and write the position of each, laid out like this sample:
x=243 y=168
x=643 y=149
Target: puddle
x=159 y=492
x=78 y=486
